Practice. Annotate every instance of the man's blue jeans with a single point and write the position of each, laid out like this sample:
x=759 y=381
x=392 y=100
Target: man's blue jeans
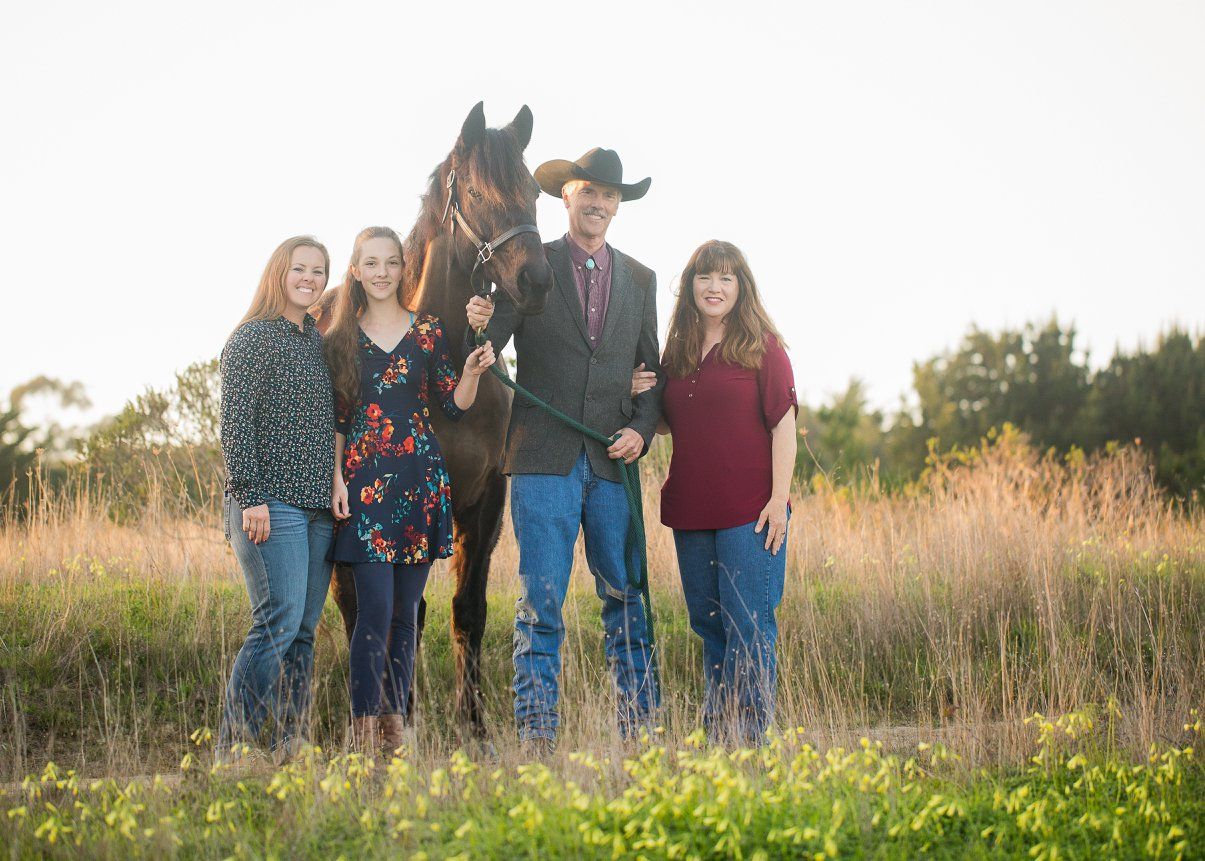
x=733 y=586
x=287 y=578
x=548 y=512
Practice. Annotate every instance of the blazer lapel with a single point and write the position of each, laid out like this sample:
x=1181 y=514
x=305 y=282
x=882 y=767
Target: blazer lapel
x=621 y=288
x=562 y=271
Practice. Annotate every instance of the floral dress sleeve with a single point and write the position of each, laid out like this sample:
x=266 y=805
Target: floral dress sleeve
x=441 y=373
x=344 y=413
x=244 y=377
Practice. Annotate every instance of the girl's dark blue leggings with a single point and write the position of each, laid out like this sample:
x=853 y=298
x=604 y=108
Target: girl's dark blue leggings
x=384 y=640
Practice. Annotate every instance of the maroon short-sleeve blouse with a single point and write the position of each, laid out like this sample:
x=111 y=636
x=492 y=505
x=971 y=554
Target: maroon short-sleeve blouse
x=721 y=418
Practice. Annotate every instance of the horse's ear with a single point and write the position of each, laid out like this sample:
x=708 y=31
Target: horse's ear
x=522 y=126
x=473 y=129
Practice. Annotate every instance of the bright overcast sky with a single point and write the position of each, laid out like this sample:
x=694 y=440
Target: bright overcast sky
x=894 y=171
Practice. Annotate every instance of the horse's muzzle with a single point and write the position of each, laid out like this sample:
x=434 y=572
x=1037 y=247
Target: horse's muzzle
x=534 y=282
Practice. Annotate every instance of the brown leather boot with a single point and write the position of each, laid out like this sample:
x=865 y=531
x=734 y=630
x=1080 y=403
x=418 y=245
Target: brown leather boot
x=392 y=733
x=362 y=736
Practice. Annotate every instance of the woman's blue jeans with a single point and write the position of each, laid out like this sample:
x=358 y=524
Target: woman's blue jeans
x=733 y=585
x=287 y=579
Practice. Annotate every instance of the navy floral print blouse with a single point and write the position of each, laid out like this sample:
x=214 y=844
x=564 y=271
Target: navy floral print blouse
x=277 y=427
x=398 y=490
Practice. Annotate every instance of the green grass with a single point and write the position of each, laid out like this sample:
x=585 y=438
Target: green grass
x=118 y=668
x=1075 y=800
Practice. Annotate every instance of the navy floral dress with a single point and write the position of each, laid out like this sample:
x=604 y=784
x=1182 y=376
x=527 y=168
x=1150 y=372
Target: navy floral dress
x=397 y=484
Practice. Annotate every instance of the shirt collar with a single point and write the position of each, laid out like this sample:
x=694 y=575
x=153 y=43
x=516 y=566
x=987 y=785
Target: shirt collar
x=308 y=324
x=602 y=257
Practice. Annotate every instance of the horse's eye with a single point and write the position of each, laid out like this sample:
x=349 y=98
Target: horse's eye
x=475 y=194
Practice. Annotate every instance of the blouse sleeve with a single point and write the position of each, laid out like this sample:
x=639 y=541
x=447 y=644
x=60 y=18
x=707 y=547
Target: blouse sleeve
x=244 y=376
x=776 y=383
x=441 y=373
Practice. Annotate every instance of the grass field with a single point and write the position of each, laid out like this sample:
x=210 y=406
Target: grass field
x=947 y=615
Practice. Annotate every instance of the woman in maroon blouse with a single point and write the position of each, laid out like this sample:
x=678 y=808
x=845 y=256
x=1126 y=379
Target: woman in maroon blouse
x=730 y=404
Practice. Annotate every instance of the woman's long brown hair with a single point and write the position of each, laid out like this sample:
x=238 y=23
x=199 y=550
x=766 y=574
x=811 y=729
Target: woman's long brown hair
x=342 y=343
x=745 y=327
x=270 y=300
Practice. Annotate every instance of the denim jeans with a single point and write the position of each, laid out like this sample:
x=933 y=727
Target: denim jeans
x=287 y=578
x=548 y=512
x=733 y=586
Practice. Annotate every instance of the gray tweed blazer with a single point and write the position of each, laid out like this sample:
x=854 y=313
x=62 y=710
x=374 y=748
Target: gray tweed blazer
x=555 y=362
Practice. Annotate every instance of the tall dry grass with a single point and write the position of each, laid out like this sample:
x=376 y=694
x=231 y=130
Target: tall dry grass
x=1007 y=583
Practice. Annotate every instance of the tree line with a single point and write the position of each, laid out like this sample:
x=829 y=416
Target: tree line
x=164 y=443
x=1037 y=379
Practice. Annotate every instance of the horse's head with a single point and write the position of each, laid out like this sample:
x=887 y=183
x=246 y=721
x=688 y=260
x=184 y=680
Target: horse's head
x=495 y=192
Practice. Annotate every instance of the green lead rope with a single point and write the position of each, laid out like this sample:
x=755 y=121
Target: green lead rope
x=635 y=543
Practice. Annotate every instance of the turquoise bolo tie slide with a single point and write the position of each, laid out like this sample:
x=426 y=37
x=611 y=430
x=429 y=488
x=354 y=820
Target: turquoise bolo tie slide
x=590 y=263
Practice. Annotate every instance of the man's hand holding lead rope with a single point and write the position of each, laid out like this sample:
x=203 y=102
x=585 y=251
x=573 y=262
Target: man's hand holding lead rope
x=628 y=443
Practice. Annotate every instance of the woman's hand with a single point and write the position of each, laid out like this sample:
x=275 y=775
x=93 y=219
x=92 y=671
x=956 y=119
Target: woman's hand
x=256 y=523
x=642 y=380
x=774 y=517
x=479 y=360
x=339 y=506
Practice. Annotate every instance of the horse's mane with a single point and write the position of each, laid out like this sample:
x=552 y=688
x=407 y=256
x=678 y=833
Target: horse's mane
x=494 y=168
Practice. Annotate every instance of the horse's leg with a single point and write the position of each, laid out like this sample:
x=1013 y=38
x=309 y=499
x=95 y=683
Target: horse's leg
x=343 y=589
x=477 y=534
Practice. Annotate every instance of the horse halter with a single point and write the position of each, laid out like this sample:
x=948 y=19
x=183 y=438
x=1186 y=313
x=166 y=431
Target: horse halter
x=485 y=249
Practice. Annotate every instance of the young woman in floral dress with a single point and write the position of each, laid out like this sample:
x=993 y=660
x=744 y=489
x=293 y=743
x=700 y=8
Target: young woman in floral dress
x=391 y=493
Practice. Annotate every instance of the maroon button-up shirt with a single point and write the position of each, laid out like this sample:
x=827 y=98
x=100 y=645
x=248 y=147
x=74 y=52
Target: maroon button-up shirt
x=721 y=416
x=593 y=286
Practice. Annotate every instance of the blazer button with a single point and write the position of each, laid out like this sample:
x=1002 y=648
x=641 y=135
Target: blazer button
x=589 y=397
x=593 y=361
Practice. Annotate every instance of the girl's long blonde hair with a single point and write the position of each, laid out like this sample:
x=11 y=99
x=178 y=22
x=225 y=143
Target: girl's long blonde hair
x=745 y=327
x=270 y=301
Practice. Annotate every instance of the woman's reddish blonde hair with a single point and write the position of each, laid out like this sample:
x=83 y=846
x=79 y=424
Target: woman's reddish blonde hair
x=270 y=300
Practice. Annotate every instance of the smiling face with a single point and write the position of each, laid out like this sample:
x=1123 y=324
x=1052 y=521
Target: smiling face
x=379 y=268
x=591 y=207
x=306 y=278
x=716 y=294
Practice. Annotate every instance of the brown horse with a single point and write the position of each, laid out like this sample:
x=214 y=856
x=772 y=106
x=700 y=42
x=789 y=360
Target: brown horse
x=495 y=192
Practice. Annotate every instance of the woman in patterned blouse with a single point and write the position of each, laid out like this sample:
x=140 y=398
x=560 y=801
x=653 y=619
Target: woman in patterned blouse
x=277 y=432
x=391 y=492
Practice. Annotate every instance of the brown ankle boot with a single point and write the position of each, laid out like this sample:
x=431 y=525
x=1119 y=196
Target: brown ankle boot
x=362 y=736
x=392 y=733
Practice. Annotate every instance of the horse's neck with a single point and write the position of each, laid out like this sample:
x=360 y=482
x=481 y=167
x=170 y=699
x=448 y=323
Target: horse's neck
x=444 y=290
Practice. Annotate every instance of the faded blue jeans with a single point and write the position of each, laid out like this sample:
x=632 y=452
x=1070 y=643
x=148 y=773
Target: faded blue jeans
x=733 y=585
x=287 y=578
x=548 y=512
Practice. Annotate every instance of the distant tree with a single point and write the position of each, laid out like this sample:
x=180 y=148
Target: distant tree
x=166 y=439
x=1034 y=378
x=1157 y=397
x=844 y=435
x=15 y=455
x=21 y=441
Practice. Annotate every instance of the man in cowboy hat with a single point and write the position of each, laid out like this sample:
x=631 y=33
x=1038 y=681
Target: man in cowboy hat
x=578 y=356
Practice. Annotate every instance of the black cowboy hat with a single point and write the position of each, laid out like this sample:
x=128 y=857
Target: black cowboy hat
x=598 y=165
